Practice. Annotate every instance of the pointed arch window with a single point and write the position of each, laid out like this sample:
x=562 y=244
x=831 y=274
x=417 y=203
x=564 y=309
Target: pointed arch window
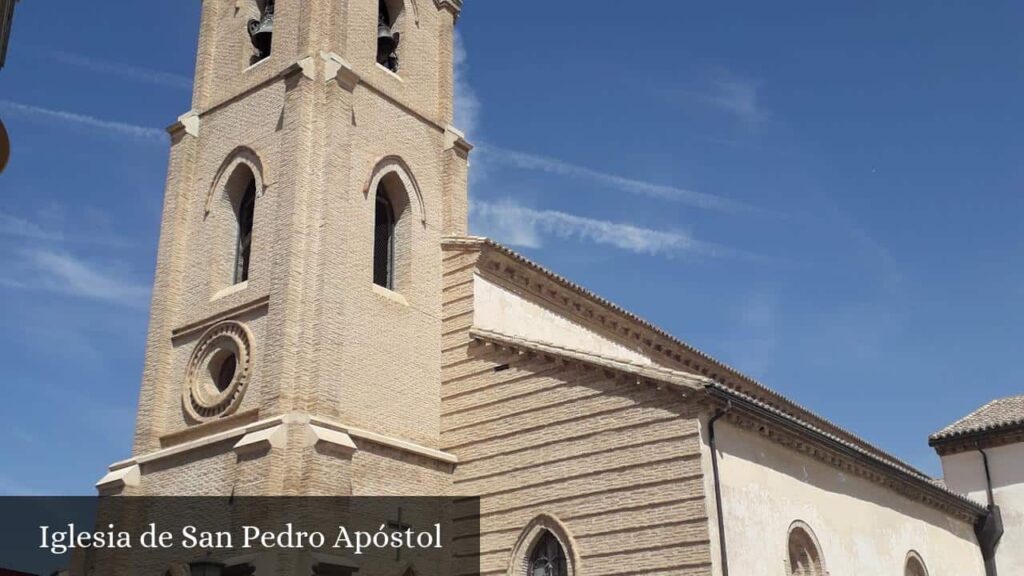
x=384 y=242
x=548 y=557
x=245 y=214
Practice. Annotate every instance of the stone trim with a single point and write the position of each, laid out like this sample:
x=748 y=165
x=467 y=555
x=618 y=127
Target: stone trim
x=212 y=427
x=389 y=441
x=262 y=440
x=329 y=440
x=336 y=67
x=212 y=320
x=523 y=549
x=120 y=478
x=456 y=139
x=277 y=421
x=514 y=271
x=190 y=123
x=752 y=414
x=648 y=375
x=914 y=556
x=453 y=6
x=395 y=164
x=806 y=529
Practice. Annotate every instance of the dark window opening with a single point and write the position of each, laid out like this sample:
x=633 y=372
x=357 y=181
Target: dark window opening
x=246 y=212
x=387 y=38
x=548 y=558
x=261 y=31
x=501 y=368
x=384 y=243
x=226 y=373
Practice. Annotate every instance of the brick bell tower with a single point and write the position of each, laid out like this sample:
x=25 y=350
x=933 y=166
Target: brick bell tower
x=294 y=342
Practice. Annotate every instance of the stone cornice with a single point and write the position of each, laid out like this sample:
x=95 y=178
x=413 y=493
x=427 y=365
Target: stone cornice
x=641 y=374
x=750 y=414
x=512 y=270
x=453 y=6
x=268 y=433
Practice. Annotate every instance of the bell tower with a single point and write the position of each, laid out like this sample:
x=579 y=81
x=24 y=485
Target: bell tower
x=294 y=343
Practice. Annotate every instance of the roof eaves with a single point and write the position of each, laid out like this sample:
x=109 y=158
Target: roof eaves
x=908 y=473
x=479 y=242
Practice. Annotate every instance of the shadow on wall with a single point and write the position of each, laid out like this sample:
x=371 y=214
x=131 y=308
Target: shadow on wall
x=734 y=443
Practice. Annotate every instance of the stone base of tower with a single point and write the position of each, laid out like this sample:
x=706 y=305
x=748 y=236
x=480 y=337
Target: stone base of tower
x=293 y=454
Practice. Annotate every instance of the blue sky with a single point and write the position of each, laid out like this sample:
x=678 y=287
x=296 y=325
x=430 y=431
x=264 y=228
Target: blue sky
x=826 y=196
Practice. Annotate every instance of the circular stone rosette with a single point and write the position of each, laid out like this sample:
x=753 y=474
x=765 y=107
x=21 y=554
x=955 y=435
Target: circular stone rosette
x=218 y=371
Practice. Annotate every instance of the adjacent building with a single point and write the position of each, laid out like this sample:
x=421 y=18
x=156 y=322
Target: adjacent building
x=983 y=457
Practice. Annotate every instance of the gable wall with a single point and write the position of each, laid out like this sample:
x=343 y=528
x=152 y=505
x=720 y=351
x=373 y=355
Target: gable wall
x=616 y=462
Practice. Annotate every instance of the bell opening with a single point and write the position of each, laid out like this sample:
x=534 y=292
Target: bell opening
x=261 y=32
x=387 y=37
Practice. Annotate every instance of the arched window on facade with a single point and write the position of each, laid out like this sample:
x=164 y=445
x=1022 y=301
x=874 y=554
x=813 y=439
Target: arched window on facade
x=548 y=557
x=915 y=566
x=389 y=13
x=384 y=226
x=245 y=211
x=804 y=555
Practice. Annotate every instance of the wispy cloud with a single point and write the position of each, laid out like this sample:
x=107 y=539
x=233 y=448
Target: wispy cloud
x=121 y=70
x=521 y=226
x=20 y=228
x=527 y=161
x=143 y=133
x=37 y=258
x=755 y=338
x=62 y=272
x=738 y=97
x=467 y=104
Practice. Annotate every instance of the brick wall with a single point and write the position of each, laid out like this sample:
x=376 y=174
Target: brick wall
x=618 y=464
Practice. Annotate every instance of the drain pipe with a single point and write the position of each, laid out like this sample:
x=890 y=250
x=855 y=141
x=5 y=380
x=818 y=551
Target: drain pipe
x=718 y=487
x=989 y=529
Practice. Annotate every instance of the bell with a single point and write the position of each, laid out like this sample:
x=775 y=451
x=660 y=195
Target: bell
x=260 y=32
x=386 y=40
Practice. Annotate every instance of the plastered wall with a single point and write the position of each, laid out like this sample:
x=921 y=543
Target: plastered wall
x=862 y=527
x=965 y=473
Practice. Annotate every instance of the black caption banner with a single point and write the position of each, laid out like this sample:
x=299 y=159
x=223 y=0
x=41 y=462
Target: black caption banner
x=240 y=536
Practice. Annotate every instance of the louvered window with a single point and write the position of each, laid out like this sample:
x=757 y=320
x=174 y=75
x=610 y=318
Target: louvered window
x=245 y=214
x=384 y=244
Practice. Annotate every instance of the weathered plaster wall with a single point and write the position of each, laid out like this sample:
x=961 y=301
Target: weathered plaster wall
x=862 y=527
x=965 y=473
x=503 y=310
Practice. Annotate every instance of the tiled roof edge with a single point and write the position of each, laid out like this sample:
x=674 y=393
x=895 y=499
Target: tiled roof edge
x=480 y=242
x=909 y=473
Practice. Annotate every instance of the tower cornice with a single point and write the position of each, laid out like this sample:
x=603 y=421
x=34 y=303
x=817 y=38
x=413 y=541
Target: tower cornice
x=453 y=6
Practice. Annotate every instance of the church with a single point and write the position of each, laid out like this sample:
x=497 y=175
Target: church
x=323 y=324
